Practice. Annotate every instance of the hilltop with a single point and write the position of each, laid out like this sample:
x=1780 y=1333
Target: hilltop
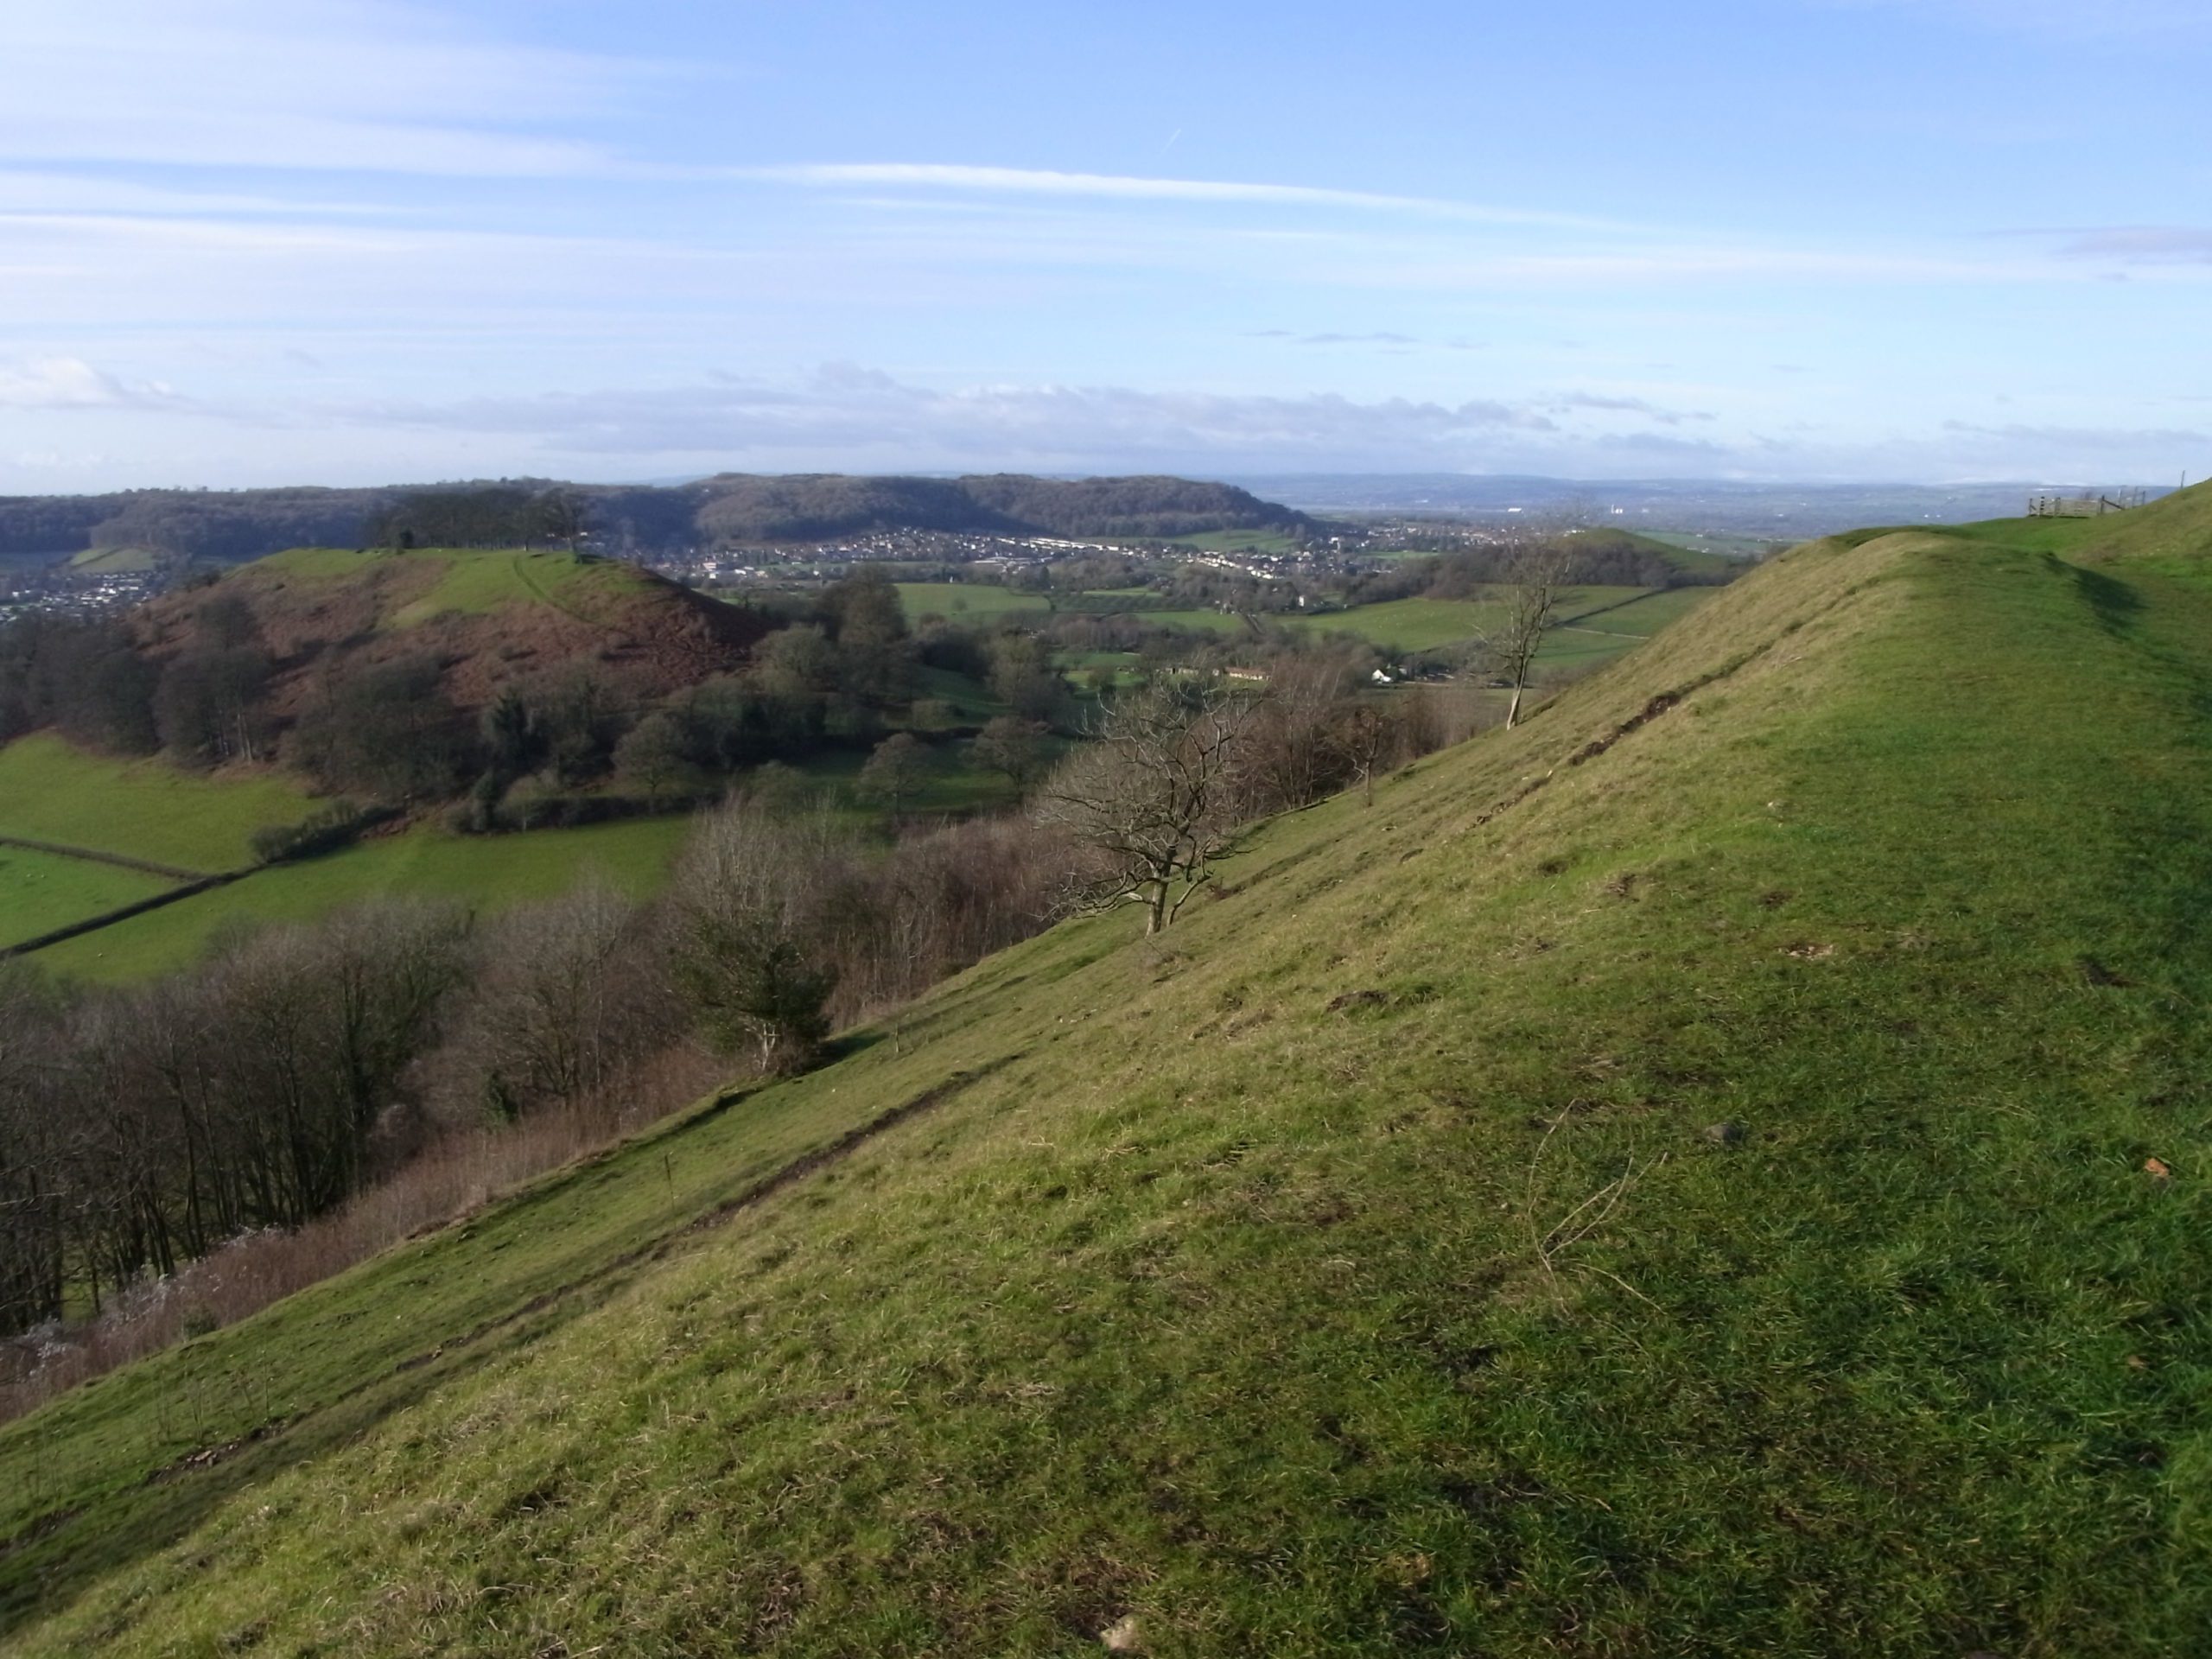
x=1718 y=1168
x=227 y=526
x=488 y=618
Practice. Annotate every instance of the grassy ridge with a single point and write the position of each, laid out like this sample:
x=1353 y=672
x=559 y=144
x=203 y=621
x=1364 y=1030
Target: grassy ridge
x=1352 y=1270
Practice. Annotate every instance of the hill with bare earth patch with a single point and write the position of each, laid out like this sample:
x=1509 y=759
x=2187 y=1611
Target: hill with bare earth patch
x=1723 y=1168
x=489 y=619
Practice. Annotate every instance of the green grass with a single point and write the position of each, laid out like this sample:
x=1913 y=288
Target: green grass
x=115 y=560
x=466 y=582
x=1241 y=541
x=1351 y=1270
x=1640 y=617
x=1404 y=625
x=972 y=704
x=39 y=892
x=475 y=583
x=1704 y=552
x=968 y=602
x=140 y=808
x=487 y=872
x=315 y=564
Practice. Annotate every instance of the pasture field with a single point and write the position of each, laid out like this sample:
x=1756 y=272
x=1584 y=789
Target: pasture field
x=1400 y=625
x=1672 y=1183
x=39 y=892
x=1642 y=615
x=1240 y=541
x=1702 y=554
x=488 y=873
x=146 y=809
x=957 y=601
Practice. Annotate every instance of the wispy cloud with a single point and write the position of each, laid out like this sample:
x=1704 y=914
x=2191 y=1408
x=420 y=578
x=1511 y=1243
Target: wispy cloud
x=1375 y=337
x=354 y=85
x=62 y=383
x=2157 y=245
x=862 y=414
x=1035 y=181
x=1586 y=402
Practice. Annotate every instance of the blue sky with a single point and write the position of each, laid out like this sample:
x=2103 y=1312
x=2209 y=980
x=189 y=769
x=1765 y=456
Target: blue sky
x=349 y=241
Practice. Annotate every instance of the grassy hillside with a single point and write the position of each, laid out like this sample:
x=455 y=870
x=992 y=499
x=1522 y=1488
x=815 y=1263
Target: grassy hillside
x=1720 y=1168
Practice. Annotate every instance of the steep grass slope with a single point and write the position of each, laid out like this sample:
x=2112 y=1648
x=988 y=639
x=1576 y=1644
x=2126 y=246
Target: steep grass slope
x=1721 y=1168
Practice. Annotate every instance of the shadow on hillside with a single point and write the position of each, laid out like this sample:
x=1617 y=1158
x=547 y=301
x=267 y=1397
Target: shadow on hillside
x=2115 y=605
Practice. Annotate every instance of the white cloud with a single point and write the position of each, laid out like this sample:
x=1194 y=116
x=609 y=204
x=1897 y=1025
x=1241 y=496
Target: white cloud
x=71 y=383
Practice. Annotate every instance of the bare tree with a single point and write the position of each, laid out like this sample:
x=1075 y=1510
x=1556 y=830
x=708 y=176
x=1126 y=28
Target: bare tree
x=895 y=772
x=1365 y=735
x=744 y=951
x=33 y=1202
x=564 y=994
x=1010 y=744
x=1536 y=575
x=1151 y=795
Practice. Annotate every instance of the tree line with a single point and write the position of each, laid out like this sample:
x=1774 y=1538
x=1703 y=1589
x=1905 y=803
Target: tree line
x=141 y=1128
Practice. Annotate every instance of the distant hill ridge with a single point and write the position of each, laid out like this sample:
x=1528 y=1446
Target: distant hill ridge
x=233 y=525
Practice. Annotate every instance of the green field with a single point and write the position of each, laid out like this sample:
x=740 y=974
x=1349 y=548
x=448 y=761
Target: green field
x=958 y=601
x=1725 y=1180
x=489 y=873
x=1639 y=617
x=1405 y=624
x=39 y=892
x=140 y=808
x=1705 y=554
x=114 y=560
x=1241 y=541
